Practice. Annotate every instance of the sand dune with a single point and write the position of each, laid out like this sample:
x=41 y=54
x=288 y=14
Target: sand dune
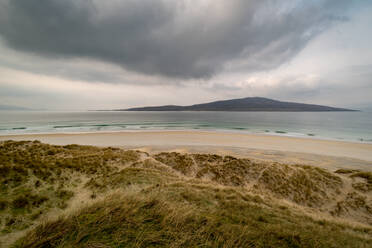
x=87 y=196
x=327 y=153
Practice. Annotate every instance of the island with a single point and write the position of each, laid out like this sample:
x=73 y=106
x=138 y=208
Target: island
x=243 y=105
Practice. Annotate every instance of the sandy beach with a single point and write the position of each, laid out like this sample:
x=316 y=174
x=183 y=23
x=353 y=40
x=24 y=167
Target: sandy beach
x=324 y=153
x=272 y=171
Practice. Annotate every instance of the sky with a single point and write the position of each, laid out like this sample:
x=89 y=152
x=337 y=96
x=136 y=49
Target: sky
x=92 y=54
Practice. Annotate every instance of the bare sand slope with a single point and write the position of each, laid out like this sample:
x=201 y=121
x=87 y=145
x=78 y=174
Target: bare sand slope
x=325 y=153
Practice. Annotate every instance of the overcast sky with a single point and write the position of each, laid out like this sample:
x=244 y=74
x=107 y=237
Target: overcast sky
x=94 y=54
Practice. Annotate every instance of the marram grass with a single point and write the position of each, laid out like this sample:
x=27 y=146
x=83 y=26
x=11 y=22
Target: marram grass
x=133 y=199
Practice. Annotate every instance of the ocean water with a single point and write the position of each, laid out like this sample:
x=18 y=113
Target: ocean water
x=351 y=126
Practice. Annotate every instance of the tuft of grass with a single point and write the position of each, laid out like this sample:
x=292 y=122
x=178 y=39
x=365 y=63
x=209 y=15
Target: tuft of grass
x=3 y=205
x=345 y=171
x=354 y=202
x=64 y=194
x=365 y=175
x=363 y=186
x=177 y=161
x=20 y=202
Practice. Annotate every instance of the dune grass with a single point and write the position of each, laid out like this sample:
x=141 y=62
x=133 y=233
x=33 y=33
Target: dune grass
x=190 y=216
x=175 y=200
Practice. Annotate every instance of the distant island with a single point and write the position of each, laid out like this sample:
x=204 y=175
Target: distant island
x=243 y=104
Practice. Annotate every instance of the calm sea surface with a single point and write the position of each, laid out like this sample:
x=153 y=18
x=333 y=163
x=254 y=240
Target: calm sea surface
x=353 y=126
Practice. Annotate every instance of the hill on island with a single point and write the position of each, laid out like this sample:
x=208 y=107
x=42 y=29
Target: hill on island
x=242 y=104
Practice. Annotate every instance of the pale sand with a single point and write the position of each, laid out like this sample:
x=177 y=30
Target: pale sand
x=324 y=153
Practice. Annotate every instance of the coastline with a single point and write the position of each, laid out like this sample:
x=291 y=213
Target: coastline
x=241 y=131
x=173 y=139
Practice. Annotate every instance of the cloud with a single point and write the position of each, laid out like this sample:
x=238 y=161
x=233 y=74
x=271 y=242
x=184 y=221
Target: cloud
x=344 y=87
x=182 y=39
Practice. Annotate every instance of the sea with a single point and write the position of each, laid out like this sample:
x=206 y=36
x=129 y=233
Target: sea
x=348 y=126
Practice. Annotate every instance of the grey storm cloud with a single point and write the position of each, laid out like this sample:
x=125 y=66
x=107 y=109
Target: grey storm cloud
x=177 y=39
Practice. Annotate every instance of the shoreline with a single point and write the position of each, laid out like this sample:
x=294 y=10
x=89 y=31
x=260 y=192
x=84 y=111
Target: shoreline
x=202 y=138
x=224 y=131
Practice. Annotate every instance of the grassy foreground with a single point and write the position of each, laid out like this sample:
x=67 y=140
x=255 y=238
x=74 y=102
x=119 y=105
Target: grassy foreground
x=84 y=196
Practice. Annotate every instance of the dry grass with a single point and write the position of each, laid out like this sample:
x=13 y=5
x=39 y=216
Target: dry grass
x=190 y=216
x=37 y=178
x=366 y=184
x=304 y=185
x=176 y=200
